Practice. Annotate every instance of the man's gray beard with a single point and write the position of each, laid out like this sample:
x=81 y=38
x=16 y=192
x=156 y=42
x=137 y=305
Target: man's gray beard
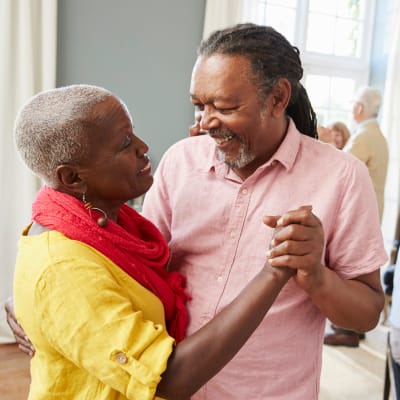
x=244 y=158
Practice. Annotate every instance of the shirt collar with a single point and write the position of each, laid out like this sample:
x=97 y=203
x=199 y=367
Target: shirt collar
x=366 y=122
x=287 y=151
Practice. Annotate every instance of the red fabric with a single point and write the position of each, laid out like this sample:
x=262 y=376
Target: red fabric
x=134 y=244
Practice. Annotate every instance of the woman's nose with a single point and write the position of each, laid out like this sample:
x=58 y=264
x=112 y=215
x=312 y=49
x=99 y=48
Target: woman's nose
x=141 y=147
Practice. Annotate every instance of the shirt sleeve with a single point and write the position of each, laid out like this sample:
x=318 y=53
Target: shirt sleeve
x=88 y=318
x=354 y=240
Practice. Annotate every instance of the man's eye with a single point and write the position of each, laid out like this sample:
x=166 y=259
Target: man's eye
x=198 y=107
x=226 y=110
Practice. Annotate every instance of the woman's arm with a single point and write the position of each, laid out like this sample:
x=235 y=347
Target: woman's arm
x=200 y=356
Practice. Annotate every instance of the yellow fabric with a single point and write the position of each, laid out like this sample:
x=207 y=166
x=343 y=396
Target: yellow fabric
x=98 y=334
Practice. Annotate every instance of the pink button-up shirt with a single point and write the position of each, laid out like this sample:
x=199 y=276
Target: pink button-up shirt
x=213 y=223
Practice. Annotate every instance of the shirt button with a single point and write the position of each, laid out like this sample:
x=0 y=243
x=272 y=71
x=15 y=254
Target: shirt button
x=121 y=358
x=244 y=191
x=219 y=279
x=232 y=234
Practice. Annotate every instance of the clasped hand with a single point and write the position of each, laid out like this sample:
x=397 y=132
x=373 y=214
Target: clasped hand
x=298 y=244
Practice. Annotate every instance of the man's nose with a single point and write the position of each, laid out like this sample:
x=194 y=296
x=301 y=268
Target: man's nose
x=208 y=119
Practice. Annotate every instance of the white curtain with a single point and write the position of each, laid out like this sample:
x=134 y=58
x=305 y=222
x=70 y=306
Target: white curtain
x=27 y=66
x=391 y=125
x=223 y=13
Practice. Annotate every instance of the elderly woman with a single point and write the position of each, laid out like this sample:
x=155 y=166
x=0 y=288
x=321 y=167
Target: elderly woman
x=340 y=134
x=91 y=289
x=335 y=133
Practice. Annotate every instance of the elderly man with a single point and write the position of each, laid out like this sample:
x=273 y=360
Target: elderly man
x=258 y=156
x=369 y=145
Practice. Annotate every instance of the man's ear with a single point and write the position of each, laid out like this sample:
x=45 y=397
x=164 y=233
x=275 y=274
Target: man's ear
x=69 y=178
x=280 y=96
x=360 y=108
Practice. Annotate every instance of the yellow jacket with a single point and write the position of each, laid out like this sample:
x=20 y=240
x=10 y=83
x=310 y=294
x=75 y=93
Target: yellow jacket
x=98 y=334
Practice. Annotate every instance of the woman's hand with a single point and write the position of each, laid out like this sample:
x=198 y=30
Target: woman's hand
x=298 y=243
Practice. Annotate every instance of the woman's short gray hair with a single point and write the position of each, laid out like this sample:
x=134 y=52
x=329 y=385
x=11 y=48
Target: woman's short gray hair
x=53 y=127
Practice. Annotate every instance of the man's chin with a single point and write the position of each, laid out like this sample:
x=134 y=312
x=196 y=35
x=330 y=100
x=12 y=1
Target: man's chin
x=230 y=161
x=234 y=162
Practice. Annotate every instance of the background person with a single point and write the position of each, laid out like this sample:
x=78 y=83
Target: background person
x=91 y=289
x=335 y=133
x=340 y=134
x=369 y=145
x=394 y=336
x=253 y=152
x=392 y=289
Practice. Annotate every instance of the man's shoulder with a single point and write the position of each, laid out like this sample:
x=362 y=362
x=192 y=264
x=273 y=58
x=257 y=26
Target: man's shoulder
x=371 y=135
x=369 y=128
x=324 y=152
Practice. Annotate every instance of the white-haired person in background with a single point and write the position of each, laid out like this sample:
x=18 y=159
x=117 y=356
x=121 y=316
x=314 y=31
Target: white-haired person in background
x=369 y=145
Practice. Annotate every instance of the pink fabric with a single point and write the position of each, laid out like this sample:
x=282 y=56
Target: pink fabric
x=134 y=244
x=213 y=223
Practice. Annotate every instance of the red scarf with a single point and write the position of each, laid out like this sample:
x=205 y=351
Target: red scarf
x=134 y=244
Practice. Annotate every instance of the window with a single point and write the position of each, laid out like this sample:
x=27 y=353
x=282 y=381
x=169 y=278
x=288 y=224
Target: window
x=334 y=39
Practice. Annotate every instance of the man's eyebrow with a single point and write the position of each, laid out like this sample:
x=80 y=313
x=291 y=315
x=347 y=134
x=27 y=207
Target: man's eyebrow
x=227 y=99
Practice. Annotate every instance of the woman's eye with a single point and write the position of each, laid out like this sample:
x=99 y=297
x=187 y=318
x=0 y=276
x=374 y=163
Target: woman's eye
x=127 y=141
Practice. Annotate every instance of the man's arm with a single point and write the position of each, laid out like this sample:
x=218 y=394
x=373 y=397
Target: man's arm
x=353 y=304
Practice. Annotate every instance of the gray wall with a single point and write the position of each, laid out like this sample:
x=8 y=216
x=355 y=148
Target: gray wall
x=142 y=50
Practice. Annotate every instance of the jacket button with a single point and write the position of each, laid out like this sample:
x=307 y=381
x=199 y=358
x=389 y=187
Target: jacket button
x=121 y=358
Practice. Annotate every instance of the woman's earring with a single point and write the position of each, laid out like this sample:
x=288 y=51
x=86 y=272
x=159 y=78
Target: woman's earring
x=102 y=221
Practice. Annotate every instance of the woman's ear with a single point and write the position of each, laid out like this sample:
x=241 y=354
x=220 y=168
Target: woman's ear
x=69 y=178
x=280 y=97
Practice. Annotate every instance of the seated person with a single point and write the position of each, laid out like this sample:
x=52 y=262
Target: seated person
x=91 y=287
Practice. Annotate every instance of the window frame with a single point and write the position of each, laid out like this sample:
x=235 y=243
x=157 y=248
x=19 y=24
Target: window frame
x=355 y=68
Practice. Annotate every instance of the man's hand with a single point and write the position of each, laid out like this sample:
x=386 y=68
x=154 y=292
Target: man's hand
x=298 y=243
x=23 y=341
x=194 y=130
